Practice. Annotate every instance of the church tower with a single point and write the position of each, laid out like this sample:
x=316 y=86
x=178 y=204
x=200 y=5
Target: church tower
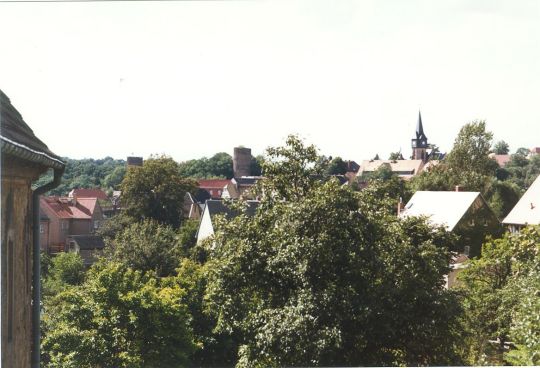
x=420 y=143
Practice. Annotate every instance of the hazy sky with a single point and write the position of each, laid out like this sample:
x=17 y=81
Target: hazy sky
x=190 y=78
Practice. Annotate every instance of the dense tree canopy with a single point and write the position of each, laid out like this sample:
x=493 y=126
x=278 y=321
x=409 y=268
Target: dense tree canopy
x=501 y=300
x=147 y=246
x=218 y=166
x=501 y=148
x=118 y=318
x=104 y=173
x=155 y=191
x=321 y=276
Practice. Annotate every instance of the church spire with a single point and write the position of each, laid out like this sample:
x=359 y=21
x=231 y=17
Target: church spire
x=420 y=143
x=420 y=129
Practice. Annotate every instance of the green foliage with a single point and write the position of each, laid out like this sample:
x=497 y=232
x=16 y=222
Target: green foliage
x=215 y=349
x=218 y=166
x=86 y=173
x=395 y=156
x=256 y=165
x=290 y=171
x=114 y=179
x=147 y=246
x=336 y=167
x=471 y=149
x=525 y=328
x=523 y=170
x=501 y=299
x=117 y=318
x=155 y=191
x=327 y=278
x=187 y=236
x=386 y=187
x=503 y=196
x=501 y=148
x=65 y=269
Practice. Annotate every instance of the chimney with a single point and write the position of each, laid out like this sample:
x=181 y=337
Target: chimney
x=459 y=188
x=400 y=206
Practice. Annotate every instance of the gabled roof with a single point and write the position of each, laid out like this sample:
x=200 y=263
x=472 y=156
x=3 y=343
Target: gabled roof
x=19 y=140
x=403 y=168
x=88 y=193
x=63 y=207
x=213 y=183
x=527 y=210
x=216 y=207
x=442 y=208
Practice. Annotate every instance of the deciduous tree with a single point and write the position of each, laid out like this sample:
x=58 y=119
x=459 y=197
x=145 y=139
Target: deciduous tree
x=155 y=191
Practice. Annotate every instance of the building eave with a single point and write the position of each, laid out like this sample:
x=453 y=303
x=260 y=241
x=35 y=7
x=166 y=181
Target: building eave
x=26 y=153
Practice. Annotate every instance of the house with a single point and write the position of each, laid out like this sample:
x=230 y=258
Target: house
x=214 y=208
x=465 y=213
x=534 y=151
x=239 y=187
x=70 y=216
x=502 y=160
x=193 y=207
x=405 y=169
x=24 y=158
x=89 y=247
x=44 y=225
x=106 y=204
x=527 y=210
x=214 y=187
x=88 y=193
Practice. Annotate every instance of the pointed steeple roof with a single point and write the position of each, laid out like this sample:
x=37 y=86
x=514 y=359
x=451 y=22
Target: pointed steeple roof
x=420 y=129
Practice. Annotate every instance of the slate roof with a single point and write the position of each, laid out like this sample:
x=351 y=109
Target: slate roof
x=88 y=193
x=527 y=210
x=88 y=242
x=63 y=208
x=216 y=207
x=19 y=140
x=442 y=208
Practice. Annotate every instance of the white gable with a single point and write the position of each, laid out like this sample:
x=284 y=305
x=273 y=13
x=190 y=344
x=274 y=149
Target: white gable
x=527 y=210
x=442 y=208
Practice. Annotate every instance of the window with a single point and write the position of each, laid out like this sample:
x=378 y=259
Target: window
x=41 y=228
x=96 y=224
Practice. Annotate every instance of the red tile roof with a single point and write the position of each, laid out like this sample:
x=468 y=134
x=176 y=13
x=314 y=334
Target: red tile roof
x=88 y=193
x=213 y=183
x=213 y=186
x=64 y=208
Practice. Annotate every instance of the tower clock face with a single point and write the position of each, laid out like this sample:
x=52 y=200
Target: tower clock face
x=423 y=142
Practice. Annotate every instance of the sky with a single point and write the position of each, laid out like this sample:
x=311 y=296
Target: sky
x=192 y=78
